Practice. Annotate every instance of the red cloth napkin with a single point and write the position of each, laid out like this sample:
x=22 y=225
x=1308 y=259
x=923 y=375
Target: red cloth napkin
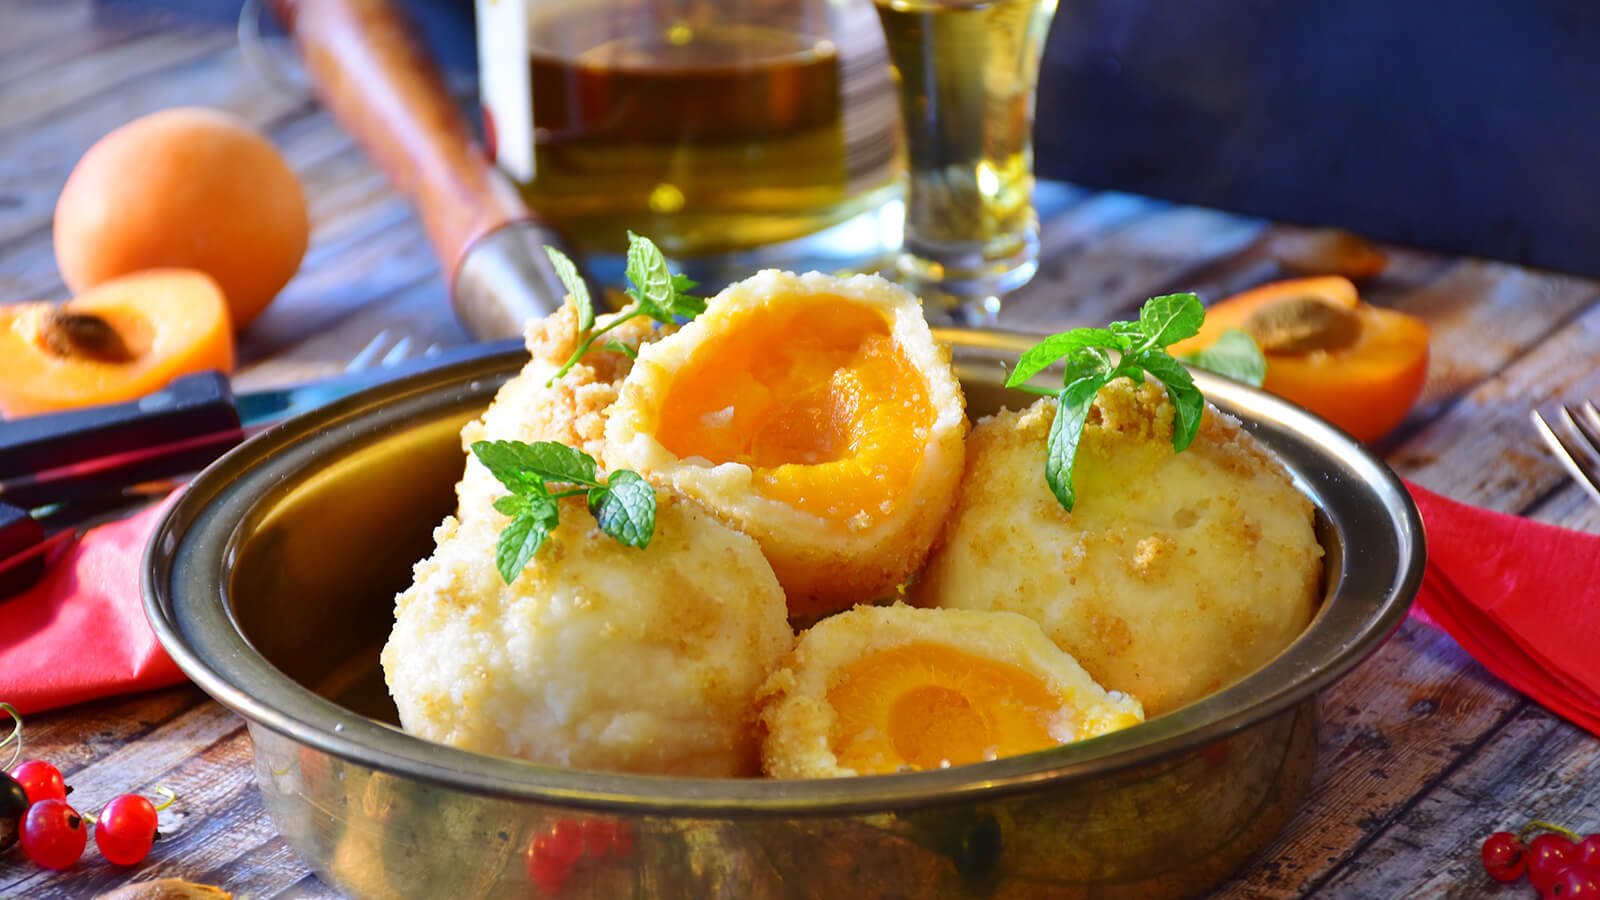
x=81 y=633
x=1518 y=595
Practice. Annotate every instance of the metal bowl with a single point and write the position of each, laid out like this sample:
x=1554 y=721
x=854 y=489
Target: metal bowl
x=271 y=582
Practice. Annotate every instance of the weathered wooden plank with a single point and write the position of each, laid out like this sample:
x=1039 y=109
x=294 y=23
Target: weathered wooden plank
x=39 y=157
x=1537 y=767
x=1093 y=281
x=1483 y=450
x=420 y=313
x=390 y=260
x=34 y=97
x=1569 y=506
x=30 y=24
x=1395 y=724
x=82 y=30
x=71 y=741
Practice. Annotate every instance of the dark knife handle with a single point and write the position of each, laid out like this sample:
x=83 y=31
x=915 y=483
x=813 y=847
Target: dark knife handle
x=190 y=407
x=19 y=533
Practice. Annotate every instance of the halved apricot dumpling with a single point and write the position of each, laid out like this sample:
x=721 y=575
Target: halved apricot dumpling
x=878 y=690
x=818 y=415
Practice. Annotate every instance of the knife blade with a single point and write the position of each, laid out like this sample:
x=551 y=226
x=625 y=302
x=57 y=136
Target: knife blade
x=88 y=452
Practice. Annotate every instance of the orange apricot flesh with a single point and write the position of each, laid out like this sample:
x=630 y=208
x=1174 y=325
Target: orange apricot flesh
x=166 y=323
x=1365 y=382
x=815 y=396
x=925 y=706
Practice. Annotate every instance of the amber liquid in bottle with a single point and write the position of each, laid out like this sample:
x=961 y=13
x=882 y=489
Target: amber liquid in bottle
x=707 y=139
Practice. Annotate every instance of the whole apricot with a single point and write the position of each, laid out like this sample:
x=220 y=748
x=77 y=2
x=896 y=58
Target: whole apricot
x=184 y=188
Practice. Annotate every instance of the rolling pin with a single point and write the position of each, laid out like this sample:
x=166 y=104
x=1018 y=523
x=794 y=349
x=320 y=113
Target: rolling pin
x=369 y=69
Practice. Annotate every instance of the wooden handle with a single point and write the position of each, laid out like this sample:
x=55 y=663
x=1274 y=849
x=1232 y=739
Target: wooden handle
x=370 y=70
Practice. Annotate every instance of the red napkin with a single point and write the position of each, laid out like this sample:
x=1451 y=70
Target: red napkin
x=81 y=633
x=1519 y=596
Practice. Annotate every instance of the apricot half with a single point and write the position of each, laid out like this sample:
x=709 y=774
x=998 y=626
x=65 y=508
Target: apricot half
x=1359 y=366
x=814 y=413
x=878 y=690
x=116 y=342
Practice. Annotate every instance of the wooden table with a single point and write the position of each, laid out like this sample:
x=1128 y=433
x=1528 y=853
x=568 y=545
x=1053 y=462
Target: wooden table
x=1423 y=752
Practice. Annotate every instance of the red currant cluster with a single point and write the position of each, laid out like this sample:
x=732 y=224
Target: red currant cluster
x=1558 y=862
x=553 y=855
x=34 y=812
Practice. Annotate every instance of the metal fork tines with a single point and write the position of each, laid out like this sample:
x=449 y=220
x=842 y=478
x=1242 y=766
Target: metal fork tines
x=1576 y=444
x=385 y=350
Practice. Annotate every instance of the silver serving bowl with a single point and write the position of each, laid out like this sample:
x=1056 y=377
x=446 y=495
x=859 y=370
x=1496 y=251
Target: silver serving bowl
x=271 y=582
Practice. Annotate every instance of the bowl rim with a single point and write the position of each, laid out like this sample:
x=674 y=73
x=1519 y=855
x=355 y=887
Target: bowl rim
x=186 y=559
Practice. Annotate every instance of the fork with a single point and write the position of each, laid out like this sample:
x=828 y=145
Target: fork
x=384 y=350
x=1577 y=444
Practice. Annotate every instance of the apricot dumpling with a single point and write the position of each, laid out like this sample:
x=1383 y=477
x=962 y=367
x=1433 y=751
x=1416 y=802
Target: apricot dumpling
x=1174 y=575
x=878 y=690
x=597 y=655
x=817 y=415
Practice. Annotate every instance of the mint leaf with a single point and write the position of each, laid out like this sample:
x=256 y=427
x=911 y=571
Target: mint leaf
x=626 y=508
x=687 y=306
x=1041 y=355
x=1187 y=402
x=656 y=293
x=504 y=460
x=1087 y=366
x=518 y=542
x=617 y=346
x=624 y=505
x=1234 y=355
x=1086 y=361
x=1061 y=450
x=573 y=282
x=1170 y=318
x=652 y=280
x=518 y=465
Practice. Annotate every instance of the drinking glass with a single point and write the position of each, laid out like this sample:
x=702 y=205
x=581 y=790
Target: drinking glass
x=965 y=71
x=736 y=134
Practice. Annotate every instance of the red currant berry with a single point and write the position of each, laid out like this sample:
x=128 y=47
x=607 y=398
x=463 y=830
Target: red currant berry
x=598 y=835
x=1504 y=857
x=1548 y=854
x=126 y=829
x=566 y=841
x=1589 y=851
x=41 y=780
x=53 y=834
x=1576 y=881
x=549 y=873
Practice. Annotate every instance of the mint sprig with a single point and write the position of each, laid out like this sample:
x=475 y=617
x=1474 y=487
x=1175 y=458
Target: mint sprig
x=1235 y=354
x=1092 y=357
x=624 y=504
x=656 y=293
